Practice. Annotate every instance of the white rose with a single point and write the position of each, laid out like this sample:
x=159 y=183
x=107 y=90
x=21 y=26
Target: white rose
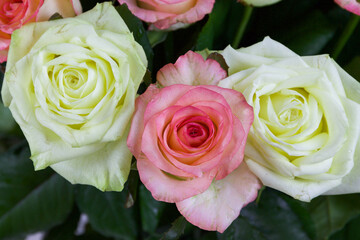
x=71 y=86
x=304 y=139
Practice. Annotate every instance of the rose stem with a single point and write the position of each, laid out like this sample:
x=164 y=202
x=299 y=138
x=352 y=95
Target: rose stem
x=345 y=35
x=259 y=194
x=244 y=21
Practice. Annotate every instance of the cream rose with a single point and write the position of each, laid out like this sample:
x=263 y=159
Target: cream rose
x=304 y=139
x=71 y=86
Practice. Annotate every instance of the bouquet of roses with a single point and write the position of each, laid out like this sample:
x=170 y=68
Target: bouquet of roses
x=129 y=106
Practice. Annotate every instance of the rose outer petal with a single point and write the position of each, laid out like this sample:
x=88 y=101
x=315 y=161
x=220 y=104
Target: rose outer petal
x=191 y=69
x=168 y=188
x=220 y=204
x=350 y=5
x=64 y=7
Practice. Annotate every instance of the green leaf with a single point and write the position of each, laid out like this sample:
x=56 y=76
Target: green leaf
x=150 y=210
x=241 y=229
x=156 y=37
x=107 y=213
x=132 y=186
x=310 y=35
x=7 y=122
x=273 y=218
x=136 y=27
x=30 y=201
x=66 y=230
x=349 y=232
x=177 y=229
x=331 y=213
x=213 y=26
x=353 y=68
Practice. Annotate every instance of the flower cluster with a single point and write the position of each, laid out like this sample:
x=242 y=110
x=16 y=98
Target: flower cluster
x=210 y=131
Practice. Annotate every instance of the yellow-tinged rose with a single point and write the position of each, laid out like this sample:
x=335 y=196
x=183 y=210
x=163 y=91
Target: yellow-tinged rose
x=305 y=136
x=71 y=86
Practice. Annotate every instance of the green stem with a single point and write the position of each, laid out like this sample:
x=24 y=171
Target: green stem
x=259 y=194
x=244 y=22
x=345 y=35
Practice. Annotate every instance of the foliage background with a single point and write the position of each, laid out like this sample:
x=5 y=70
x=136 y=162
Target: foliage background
x=43 y=201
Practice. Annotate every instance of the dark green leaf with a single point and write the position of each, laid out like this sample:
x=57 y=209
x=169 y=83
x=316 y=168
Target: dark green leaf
x=66 y=230
x=136 y=27
x=310 y=35
x=349 y=232
x=353 y=68
x=7 y=122
x=331 y=213
x=272 y=218
x=150 y=210
x=132 y=185
x=107 y=213
x=214 y=25
x=177 y=229
x=156 y=37
x=241 y=229
x=30 y=201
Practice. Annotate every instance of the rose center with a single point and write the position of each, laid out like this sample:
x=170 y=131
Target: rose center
x=193 y=134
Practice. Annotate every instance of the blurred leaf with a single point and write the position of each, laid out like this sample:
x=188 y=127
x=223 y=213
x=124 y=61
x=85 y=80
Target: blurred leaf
x=132 y=185
x=107 y=213
x=214 y=25
x=66 y=230
x=176 y=230
x=241 y=229
x=136 y=27
x=353 y=68
x=30 y=201
x=156 y=37
x=150 y=210
x=349 y=232
x=272 y=218
x=331 y=213
x=310 y=35
x=7 y=122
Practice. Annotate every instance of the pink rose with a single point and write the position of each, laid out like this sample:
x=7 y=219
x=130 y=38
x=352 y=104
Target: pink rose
x=169 y=13
x=350 y=5
x=15 y=13
x=189 y=144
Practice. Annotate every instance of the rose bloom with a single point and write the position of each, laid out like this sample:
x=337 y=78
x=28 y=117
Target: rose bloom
x=350 y=5
x=258 y=3
x=71 y=86
x=164 y=14
x=14 y=14
x=189 y=143
x=305 y=137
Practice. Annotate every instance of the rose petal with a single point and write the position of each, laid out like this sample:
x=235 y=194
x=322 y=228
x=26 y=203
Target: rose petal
x=64 y=7
x=350 y=5
x=220 y=204
x=301 y=189
x=167 y=188
x=191 y=69
x=137 y=126
x=109 y=174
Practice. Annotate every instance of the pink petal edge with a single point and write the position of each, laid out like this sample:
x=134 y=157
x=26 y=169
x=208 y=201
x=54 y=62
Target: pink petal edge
x=164 y=187
x=220 y=204
x=350 y=5
x=191 y=69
